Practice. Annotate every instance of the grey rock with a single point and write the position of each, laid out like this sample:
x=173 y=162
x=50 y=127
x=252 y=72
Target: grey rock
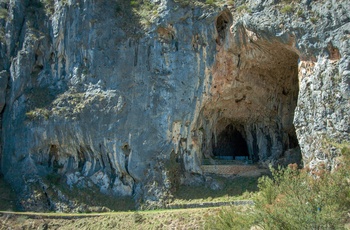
x=134 y=106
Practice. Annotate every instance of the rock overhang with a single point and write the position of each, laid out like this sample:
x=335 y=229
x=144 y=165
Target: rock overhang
x=254 y=87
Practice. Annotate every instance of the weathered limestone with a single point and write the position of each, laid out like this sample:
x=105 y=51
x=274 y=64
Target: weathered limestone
x=99 y=101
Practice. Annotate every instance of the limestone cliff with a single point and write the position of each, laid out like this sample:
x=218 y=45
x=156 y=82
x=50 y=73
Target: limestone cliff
x=131 y=98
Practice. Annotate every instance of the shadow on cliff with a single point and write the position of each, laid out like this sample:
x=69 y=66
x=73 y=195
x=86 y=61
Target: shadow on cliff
x=7 y=196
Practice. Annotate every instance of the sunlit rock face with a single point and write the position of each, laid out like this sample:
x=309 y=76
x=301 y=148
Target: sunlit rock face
x=91 y=94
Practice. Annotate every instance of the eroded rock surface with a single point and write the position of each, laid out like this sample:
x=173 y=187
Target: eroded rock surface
x=101 y=97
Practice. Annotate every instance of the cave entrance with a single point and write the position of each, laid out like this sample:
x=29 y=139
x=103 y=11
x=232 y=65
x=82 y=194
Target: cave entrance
x=221 y=26
x=249 y=114
x=230 y=144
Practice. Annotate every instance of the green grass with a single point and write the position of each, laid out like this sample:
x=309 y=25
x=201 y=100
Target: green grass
x=287 y=9
x=238 y=188
x=210 y=2
x=160 y=219
x=313 y=20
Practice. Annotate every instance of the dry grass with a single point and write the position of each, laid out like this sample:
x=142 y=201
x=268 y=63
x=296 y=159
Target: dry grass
x=163 y=219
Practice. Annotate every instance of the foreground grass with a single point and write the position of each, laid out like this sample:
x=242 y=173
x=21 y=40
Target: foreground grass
x=195 y=218
x=160 y=219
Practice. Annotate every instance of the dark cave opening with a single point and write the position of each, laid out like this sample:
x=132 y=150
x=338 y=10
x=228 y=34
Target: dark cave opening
x=230 y=145
x=222 y=23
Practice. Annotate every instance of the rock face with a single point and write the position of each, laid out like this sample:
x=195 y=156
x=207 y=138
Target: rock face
x=102 y=95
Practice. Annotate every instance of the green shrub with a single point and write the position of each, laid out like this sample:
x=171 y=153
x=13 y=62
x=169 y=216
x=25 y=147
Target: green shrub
x=145 y=11
x=268 y=193
x=37 y=114
x=3 y=13
x=293 y=199
x=231 y=218
x=210 y=2
x=287 y=9
x=297 y=199
x=134 y=3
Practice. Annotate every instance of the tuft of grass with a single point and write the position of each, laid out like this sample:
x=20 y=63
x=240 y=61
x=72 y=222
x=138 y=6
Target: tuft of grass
x=243 y=9
x=134 y=3
x=287 y=9
x=210 y=2
x=3 y=13
x=313 y=20
x=230 y=2
x=49 y=6
x=37 y=114
x=300 y=13
x=146 y=10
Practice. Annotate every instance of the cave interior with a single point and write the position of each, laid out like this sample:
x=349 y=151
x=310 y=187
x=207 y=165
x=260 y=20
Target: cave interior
x=230 y=145
x=254 y=95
